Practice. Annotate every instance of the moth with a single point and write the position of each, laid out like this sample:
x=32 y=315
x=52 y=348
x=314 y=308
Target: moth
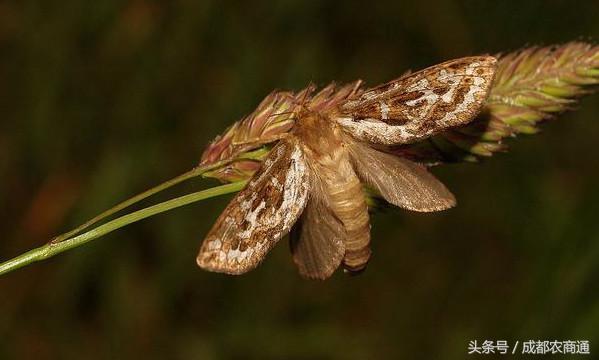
x=311 y=183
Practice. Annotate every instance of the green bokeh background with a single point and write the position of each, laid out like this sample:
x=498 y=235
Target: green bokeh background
x=100 y=100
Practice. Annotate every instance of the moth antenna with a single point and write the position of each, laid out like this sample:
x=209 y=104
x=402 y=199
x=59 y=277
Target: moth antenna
x=282 y=113
x=356 y=87
x=261 y=141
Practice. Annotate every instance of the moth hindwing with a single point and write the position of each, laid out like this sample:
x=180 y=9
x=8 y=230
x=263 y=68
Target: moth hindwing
x=421 y=104
x=318 y=240
x=260 y=214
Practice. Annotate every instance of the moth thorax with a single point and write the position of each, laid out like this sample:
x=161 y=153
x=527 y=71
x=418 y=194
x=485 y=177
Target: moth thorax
x=316 y=132
x=309 y=119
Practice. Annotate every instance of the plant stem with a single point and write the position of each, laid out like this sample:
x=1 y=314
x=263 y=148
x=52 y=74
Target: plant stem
x=195 y=172
x=53 y=248
x=71 y=238
x=165 y=185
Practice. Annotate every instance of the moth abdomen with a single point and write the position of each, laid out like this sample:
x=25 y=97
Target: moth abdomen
x=349 y=205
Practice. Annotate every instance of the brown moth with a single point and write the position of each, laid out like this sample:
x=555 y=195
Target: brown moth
x=311 y=182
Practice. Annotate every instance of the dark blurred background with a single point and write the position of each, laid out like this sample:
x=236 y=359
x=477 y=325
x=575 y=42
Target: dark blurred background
x=102 y=99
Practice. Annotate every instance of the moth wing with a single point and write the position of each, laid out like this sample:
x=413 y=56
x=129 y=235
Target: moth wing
x=260 y=214
x=420 y=104
x=400 y=181
x=317 y=241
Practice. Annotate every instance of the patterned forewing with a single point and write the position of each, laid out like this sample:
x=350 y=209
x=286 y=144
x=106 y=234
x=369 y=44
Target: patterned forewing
x=421 y=104
x=260 y=214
